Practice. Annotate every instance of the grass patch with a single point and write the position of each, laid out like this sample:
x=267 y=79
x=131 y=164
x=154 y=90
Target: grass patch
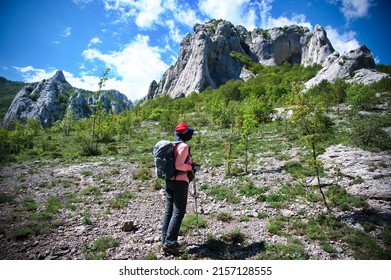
x=224 y=217
x=91 y=190
x=338 y=197
x=223 y=192
x=298 y=169
x=41 y=222
x=294 y=250
x=121 y=200
x=276 y=225
x=248 y=188
x=189 y=223
x=326 y=229
x=97 y=251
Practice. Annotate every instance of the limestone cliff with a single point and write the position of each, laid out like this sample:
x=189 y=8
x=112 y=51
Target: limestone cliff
x=48 y=100
x=357 y=66
x=205 y=55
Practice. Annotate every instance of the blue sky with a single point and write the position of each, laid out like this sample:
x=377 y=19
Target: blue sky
x=139 y=39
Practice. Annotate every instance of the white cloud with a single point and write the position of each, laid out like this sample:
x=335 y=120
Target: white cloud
x=344 y=42
x=133 y=69
x=268 y=21
x=93 y=41
x=183 y=14
x=265 y=7
x=284 y=21
x=174 y=33
x=145 y=12
x=353 y=9
x=24 y=69
x=239 y=12
x=136 y=66
x=32 y=75
x=67 y=32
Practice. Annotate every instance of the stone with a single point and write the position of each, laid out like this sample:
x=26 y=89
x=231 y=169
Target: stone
x=128 y=226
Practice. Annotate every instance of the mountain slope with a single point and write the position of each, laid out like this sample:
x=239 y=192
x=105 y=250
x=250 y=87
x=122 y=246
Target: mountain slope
x=8 y=90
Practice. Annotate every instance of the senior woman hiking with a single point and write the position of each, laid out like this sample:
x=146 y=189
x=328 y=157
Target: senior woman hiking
x=176 y=189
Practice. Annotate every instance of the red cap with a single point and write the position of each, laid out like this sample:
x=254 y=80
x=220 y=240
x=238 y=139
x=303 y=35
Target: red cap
x=181 y=128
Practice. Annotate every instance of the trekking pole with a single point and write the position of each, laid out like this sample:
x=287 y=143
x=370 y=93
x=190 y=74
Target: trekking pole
x=195 y=201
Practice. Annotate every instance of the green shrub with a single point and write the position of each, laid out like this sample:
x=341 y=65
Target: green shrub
x=362 y=97
x=367 y=133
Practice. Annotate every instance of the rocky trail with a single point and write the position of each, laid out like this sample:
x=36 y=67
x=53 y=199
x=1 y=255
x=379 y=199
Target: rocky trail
x=88 y=192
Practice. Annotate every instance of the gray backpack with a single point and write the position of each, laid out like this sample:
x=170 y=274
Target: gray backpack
x=163 y=152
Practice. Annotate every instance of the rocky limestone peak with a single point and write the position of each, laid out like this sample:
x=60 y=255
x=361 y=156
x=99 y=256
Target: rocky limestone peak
x=356 y=66
x=48 y=100
x=59 y=77
x=205 y=58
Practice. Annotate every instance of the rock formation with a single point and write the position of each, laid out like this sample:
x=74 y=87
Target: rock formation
x=49 y=99
x=205 y=58
x=357 y=66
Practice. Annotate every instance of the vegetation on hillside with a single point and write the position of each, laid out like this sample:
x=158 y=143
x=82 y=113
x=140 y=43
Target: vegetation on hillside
x=233 y=123
x=8 y=90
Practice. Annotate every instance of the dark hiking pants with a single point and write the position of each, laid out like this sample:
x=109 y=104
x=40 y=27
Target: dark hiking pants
x=176 y=200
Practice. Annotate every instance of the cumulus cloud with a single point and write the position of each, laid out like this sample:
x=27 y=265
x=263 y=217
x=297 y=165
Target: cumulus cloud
x=239 y=12
x=135 y=66
x=32 y=75
x=93 y=41
x=354 y=9
x=133 y=69
x=298 y=19
x=342 y=42
x=182 y=13
x=268 y=21
x=145 y=13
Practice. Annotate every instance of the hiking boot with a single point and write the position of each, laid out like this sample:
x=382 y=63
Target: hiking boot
x=179 y=246
x=172 y=250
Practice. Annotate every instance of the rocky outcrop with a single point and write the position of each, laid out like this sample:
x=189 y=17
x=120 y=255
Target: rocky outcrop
x=78 y=104
x=205 y=58
x=293 y=44
x=357 y=66
x=361 y=173
x=38 y=101
x=48 y=100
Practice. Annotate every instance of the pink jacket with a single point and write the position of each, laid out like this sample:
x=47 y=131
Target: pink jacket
x=182 y=162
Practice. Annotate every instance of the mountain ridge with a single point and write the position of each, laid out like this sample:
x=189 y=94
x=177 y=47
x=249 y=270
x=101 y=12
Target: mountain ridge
x=49 y=99
x=205 y=58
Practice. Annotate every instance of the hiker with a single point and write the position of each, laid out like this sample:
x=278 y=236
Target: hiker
x=177 y=189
